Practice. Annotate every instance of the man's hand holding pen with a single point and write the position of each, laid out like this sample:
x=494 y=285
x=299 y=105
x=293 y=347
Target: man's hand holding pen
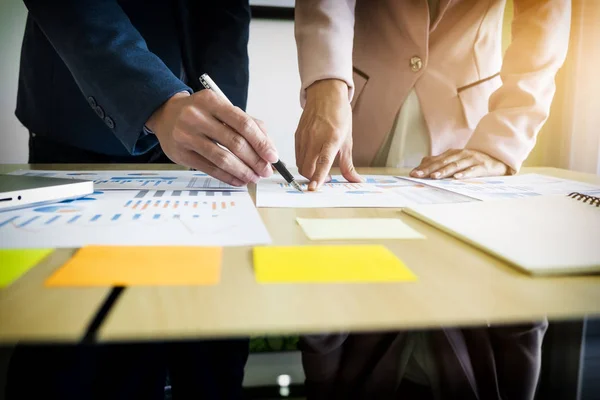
x=187 y=127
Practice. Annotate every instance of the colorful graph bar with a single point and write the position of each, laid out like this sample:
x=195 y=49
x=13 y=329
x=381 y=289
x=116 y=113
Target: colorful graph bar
x=30 y=220
x=51 y=220
x=165 y=204
x=287 y=185
x=181 y=193
x=74 y=219
x=8 y=221
x=133 y=179
x=114 y=218
x=353 y=185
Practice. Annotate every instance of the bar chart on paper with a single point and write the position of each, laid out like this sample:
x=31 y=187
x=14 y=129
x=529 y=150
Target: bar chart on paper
x=143 y=217
x=276 y=192
x=342 y=187
x=119 y=180
x=375 y=191
x=178 y=200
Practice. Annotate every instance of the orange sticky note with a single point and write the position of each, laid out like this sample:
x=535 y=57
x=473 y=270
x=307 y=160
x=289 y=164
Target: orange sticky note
x=140 y=266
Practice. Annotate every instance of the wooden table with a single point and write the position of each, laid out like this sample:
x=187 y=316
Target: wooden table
x=458 y=285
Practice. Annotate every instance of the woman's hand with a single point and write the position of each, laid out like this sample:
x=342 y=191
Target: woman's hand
x=459 y=164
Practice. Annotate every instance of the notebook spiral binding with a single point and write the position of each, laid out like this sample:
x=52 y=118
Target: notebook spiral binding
x=591 y=200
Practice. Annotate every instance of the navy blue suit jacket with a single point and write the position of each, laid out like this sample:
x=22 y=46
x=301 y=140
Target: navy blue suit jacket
x=93 y=71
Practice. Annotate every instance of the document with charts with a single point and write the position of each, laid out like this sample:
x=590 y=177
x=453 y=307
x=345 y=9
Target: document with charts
x=163 y=179
x=376 y=191
x=137 y=218
x=509 y=187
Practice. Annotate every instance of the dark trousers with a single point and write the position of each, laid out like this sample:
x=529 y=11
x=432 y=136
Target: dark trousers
x=197 y=369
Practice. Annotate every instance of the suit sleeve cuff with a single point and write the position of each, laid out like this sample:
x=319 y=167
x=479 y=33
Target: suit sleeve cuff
x=136 y=140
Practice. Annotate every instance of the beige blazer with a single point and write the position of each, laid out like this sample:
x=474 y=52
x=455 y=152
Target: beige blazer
x=470 y=96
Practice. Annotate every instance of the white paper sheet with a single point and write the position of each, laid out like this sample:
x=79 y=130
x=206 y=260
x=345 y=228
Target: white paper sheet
x=508 y=187
x=138 y=218
x=414 y=193
x=119 y=180
x=377 y=191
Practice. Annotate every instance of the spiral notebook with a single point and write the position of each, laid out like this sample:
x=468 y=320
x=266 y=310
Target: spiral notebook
x=541 y=235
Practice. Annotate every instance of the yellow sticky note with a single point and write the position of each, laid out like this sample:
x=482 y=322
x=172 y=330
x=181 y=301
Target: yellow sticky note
x=15 y=262
x=357 y=228
x=329 y=264
x=141 y=266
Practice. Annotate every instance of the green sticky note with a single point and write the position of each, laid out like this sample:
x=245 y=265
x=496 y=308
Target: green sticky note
x=15 y=262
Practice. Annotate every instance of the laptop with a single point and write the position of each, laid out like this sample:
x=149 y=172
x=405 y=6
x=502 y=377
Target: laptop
x=17 y=191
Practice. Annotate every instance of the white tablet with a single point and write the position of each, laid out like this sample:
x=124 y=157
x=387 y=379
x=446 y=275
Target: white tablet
x=22 y=191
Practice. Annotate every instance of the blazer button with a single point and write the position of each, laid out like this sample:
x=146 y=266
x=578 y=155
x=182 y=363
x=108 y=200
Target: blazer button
x=416 y=64
x=92 y=102
x=109 y=122
x=99 y=111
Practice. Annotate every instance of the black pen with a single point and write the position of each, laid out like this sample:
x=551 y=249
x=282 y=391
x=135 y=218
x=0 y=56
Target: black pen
x=208 y=83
